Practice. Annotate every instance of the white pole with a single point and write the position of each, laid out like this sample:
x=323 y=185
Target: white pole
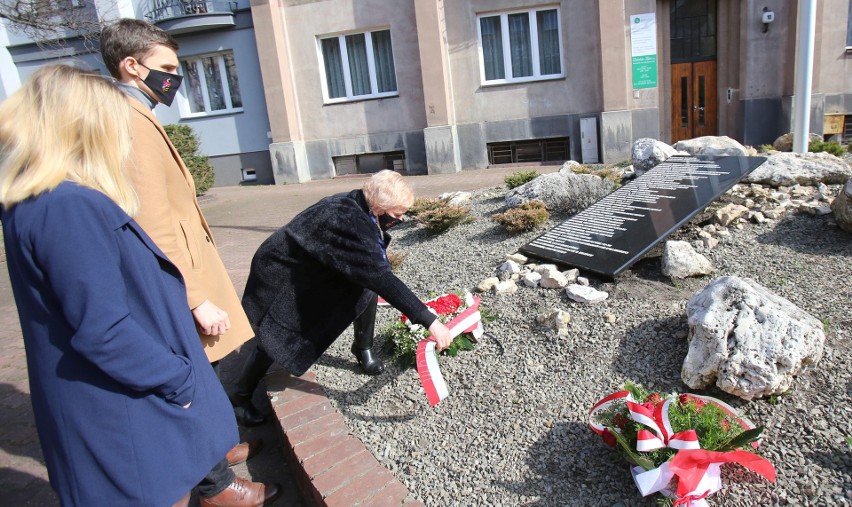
x=804 y=75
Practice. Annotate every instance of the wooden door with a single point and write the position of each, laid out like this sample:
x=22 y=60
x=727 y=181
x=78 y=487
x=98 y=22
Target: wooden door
x=694 y=101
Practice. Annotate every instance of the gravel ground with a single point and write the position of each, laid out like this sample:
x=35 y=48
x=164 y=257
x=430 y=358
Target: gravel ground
x=513 y=430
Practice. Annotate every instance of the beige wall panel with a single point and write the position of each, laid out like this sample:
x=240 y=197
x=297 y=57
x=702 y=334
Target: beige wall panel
x=578 y=92
x=832 y=65
x=307 y=20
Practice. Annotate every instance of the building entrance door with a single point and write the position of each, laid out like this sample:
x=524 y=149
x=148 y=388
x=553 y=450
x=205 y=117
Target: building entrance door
x=693 y=68
x=693 y=100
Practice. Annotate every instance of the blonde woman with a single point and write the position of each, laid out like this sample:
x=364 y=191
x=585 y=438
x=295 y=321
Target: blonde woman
x=320 y=273
x=128 y=409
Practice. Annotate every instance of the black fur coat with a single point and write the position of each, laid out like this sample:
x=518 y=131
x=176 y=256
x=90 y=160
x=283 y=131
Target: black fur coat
x=313 y=277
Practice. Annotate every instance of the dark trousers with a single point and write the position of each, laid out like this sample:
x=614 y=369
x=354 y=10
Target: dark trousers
x=217 y=480
x=259 y=361
x=221 y=476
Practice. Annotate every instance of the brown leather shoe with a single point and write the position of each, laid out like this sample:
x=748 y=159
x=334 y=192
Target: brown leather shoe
x=243 y=451
x=243 y=493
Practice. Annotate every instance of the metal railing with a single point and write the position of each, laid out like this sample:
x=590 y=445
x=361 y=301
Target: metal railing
x=169 y=9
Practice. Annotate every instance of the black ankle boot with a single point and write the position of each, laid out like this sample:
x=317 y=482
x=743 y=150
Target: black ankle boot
x=253 y=371
x=370 y=364
x=364 y=327
x=247 y=415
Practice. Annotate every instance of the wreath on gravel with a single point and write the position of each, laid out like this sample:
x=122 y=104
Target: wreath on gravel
x=404 y=336
x=675 y=444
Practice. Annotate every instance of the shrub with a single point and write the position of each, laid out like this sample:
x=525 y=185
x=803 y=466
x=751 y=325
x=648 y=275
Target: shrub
x=519 y=178
x=611 y=173
x=423 y=204
x=187 y=145
x=765 y=148
x=443 y=218
x=396 y=258
x=830 y=147
x=526 y=217
x=849 y=147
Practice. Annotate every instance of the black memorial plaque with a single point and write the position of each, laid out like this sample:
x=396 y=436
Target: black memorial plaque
x=610 y=235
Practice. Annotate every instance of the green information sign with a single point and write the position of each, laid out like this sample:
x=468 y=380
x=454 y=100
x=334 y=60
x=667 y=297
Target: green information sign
x=645 y=71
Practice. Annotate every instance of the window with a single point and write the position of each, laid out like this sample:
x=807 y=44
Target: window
x=533 y=150
x=358 y=66
x=521 y=46
x=849 y=28
x=211 y=85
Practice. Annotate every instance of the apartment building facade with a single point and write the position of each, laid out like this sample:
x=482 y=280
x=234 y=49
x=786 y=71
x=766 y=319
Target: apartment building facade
x=221 y=97
x=437 y=86
x=284 y=91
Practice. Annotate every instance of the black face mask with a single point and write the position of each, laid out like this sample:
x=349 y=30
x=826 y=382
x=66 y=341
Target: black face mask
x=386 y=222
x=163 y=85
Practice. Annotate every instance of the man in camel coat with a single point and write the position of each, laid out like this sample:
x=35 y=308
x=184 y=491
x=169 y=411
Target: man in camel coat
x=144 y=59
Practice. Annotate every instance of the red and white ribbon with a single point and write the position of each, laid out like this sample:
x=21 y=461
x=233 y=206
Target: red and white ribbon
x=468 y=321
x=698 y=471
x=657 y=418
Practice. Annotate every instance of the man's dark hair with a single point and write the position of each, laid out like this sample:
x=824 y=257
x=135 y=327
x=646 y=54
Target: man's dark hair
x=131 y=37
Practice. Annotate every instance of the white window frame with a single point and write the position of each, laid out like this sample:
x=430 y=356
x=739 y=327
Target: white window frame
x=344 y=56
x=849 y=29
x=507 y=48
x=183 y=92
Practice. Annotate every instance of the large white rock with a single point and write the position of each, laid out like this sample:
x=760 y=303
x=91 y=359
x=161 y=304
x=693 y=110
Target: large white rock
x=570 y=166
x=842 y=207
x=647 y=153
x=785 y=141
x=456 y=198
x=712 y=146
x=747 y=340
x=680 y=260
x=561 y=192
x=808 y=169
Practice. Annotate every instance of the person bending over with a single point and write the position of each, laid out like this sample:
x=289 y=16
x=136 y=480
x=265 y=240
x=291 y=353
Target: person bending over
x=322 y=272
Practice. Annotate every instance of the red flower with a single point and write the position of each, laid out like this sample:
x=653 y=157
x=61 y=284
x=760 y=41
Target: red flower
x=403 y=318
x=725 y=424
x=445 y=305
x=608 y=438
x=685 y=399
x=654 y=398
x=620 y=421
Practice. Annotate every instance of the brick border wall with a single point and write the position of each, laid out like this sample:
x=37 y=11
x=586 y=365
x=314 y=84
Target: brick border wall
x=330 y=464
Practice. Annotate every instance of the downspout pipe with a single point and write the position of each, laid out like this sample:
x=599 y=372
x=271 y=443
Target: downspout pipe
x=804 y=75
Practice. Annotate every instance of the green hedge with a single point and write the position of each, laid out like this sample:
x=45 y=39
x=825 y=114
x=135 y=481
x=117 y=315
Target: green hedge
x=187 y=144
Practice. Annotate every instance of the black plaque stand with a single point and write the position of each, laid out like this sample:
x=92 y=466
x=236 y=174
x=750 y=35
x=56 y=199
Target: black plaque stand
x=610 y=235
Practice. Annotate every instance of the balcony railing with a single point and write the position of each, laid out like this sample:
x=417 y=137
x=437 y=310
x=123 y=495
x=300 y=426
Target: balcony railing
x=171 y=11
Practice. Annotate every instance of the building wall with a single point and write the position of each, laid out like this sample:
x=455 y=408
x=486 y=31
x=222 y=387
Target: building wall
x=227 y=136
x=303 y=146
x=230 y=140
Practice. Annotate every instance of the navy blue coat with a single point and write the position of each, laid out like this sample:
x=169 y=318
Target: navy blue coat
x=113 y=355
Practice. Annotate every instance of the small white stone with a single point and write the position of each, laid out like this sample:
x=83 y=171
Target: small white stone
x=487 y=284
x=516 y=257
x=507 y=287
x=582 y=280
x=585 y=294
x=531 y=279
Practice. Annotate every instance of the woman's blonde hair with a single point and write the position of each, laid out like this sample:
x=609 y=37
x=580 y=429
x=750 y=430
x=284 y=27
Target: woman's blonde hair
x=65 y=124
x=387 y=190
